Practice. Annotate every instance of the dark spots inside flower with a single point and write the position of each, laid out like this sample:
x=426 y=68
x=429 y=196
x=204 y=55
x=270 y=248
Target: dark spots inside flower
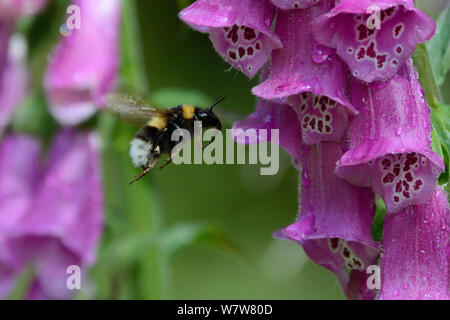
x=257 y=46
x=396 y=199
x=397 y=169
x=398 y=187
x=233 y=34
x=409 y=177
x=327 y=118
x=399 y=49
x=406 y=185
x=250 y=51
x=312 y=123
x=241 y=51
x=398 y=29
x=249 y=34
x=296 y=6
x=320 y=125
x=328 y=129
x=386 y=163
x=334 y=244
x=371 y=50
x=388 y=178
x=381 y=60
x=357 y=263
x=394 y=62
x=364 y=32
x=303 y=108
x=418 y=184
x=346 y=252
x=406 y=194
x=232 y=55
x=361 y=53
x=304 y=95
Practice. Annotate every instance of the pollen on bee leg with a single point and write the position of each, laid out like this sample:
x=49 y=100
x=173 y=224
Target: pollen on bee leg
x=139 y=151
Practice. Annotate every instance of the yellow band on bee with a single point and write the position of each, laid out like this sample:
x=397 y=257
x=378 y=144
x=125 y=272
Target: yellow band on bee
x=157 y=122
x=188 y=111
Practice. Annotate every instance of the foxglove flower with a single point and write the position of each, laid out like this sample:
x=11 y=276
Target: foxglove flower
x=240 y=30
x=415 y=264
x=390 y=141
x=374 y=52
x=62 y=225
x=334 y=224
x=19 y=168
x=13 y=73
x=330 y=206
x=68 y=204
x=13 y=9
x=84 y=66
x=270 y=115
x=308 y=76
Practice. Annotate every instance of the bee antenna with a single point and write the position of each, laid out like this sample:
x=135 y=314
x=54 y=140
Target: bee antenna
x=216 y=102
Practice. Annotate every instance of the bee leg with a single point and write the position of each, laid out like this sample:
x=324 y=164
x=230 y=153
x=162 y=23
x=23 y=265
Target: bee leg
x=153 y=159
x=168 y=161
x=209 y=142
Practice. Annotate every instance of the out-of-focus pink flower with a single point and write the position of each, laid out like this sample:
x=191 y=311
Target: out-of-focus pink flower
x=84 y=65
x=240 y=30
x=415 y=264
x=13 y=73
x=390 y=141
x=19 y=170
x=61 y=225
x=374 y=52
x=13 y=9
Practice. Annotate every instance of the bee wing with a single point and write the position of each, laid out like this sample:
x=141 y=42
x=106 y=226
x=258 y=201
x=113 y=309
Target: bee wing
x=130 y=109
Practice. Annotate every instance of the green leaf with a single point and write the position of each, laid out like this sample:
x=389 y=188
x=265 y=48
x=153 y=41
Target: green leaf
x=378 y=220
x=440 y=117
x=438 y=46
x=186 y=234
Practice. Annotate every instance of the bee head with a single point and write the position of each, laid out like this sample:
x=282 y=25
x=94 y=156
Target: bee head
x=208 y=118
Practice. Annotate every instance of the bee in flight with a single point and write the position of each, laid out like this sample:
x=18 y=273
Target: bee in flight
x=154 y=138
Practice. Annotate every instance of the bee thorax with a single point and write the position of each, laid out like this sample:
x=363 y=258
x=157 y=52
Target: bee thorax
x=139 y=152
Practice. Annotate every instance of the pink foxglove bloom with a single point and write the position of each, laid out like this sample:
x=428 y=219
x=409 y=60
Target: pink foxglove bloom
x=390 y=141
x=13 y=9
x=308 y=76
x=85 y=63
x=374 y=51
x=240 y=30
x=19 y=170
x=415 y=264
x=13 y=73
x=62 y=224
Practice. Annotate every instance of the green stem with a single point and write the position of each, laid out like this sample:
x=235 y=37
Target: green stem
x=426 y=75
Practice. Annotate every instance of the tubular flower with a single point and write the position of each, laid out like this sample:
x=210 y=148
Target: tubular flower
x=331 y=207
x=12 y=9
x=85 y=64
x=240 y=30
x=13 y=74
x=270 y=115
x=416 y=251
x=374 y=38
x=61 y=225
x=310 y=77
x=334 y=224
x=19 y=167
x=390 y=141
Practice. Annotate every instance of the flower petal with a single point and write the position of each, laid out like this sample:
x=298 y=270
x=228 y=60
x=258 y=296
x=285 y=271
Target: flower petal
x=13 y=9
x=416 y=257
x=307 y=74
x=329 y=206
x=390 y=141
x=68 y=204
x=240 y=30
x=374 y=53
x=85 y=64
x=13 y=76
x=268 y=116
x=19 y=170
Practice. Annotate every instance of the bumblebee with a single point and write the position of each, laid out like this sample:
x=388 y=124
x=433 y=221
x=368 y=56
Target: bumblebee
x=154 y=138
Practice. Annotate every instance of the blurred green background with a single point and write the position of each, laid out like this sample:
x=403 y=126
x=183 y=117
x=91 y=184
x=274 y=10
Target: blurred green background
x=192 y=231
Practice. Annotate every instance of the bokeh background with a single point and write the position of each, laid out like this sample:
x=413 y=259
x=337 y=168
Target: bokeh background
x=191 y=231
